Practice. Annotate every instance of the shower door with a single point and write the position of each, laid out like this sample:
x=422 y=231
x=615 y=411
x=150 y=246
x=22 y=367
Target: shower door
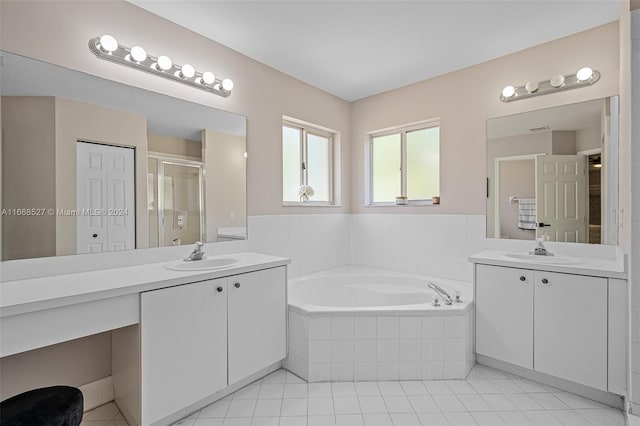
x=176 y=208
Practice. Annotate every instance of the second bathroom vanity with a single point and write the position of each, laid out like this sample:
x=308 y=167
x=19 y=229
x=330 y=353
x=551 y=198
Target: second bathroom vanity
x=560 y=322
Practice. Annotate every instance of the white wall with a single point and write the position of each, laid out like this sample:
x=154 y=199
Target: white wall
x=634 y=278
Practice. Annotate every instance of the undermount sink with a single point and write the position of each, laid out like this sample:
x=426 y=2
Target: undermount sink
x=202 y=265
x=535 y=258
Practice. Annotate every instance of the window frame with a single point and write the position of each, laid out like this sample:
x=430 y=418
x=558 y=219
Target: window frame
x=402 y=130
x=305 y=130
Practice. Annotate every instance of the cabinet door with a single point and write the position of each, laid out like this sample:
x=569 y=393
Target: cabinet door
x=257 y=321
x=571 y=327
x=504 y=314
x=184 y=350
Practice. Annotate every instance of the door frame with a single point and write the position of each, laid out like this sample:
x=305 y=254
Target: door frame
x=603 y=190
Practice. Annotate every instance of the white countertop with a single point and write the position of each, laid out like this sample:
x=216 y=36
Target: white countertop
x=610 y=268
x=22 y=296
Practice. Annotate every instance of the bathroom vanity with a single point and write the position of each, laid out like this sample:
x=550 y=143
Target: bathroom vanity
x=560 y=322
x=181 y=338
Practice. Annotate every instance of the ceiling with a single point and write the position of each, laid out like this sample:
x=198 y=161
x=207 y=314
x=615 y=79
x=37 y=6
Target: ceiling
x=354 y=49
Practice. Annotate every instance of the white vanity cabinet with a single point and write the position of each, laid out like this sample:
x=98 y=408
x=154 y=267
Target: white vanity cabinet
x=199 y=338
x=554 y=323
x=183 y=346
x=504 y=314
x=257 y=322
x=570 y=327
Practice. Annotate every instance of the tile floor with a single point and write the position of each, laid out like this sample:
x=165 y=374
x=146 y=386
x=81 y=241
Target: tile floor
x=487 y=397
x=105 y=415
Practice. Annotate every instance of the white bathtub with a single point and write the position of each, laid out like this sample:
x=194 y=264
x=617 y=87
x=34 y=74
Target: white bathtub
x=357 y=323
x=361 y=290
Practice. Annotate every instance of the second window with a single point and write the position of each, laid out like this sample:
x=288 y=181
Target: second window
x=405 y=162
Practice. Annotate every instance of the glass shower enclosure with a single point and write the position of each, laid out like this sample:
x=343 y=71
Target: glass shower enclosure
x=175 y=201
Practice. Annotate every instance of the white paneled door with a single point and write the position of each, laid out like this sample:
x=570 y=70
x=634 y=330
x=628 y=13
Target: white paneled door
x=561 y=197
x=105 y=199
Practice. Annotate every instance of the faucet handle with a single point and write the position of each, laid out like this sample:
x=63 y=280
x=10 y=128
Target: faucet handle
x=458 y=297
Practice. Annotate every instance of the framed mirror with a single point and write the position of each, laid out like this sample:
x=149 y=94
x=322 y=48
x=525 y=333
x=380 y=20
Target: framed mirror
x=553 y=173
x=92 y=165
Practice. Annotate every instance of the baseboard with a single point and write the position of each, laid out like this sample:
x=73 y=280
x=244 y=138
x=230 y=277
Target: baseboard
x=633 y=420
x=97 y=393
x=607 y=398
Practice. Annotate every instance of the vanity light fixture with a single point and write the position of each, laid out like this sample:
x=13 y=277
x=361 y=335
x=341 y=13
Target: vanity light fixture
x=585 y=76
x=107 y=47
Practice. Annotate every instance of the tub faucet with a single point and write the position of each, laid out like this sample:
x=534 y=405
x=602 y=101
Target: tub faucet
x=445 y=296
x=540 y=249
x=197 y=253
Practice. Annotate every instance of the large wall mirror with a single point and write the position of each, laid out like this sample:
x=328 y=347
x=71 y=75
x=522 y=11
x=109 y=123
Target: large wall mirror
x=553 y=173
x=92 y=165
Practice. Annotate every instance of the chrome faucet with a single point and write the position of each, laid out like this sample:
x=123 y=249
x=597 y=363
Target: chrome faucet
x=197 y=253
x=540 y=249
x=445 y=296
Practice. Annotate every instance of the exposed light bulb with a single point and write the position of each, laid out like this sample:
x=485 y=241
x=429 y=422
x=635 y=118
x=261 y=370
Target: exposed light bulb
x=598 y=166
x=187 y=71
x=531 y=86
x=508 y=91
x=227 y=84
x=108 y=43
x=138 y=54
x=208 y=78
x=164 y=63
x=557 y=80
x=584 y=74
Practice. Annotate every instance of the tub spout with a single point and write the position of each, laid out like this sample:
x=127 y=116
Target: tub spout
x=445 y=296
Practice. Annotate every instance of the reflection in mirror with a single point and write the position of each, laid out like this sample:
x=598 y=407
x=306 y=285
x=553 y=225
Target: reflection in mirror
x=91 y=165
x=553 y=173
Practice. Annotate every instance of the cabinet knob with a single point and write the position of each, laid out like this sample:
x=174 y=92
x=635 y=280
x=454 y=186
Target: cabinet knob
x=95 y=235
x=237 y=285
x=219 y=289
x=523 y=278
x=545 y=281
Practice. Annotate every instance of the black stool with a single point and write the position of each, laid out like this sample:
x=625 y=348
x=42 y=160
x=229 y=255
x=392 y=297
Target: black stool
x=52 y=406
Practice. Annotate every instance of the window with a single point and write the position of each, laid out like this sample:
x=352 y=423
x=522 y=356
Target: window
x=404 y=162
x=307 y=159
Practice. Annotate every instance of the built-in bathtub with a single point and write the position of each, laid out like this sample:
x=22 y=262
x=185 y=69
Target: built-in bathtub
x=357 y=323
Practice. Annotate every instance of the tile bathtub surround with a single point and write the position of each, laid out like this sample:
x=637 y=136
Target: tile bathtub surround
x=427 y=244
x=348 y=348
x=313 y=242
x=486 y=397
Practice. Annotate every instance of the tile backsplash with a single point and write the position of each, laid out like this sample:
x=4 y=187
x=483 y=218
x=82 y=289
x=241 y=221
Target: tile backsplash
x=437 y=245
x=312 y=242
